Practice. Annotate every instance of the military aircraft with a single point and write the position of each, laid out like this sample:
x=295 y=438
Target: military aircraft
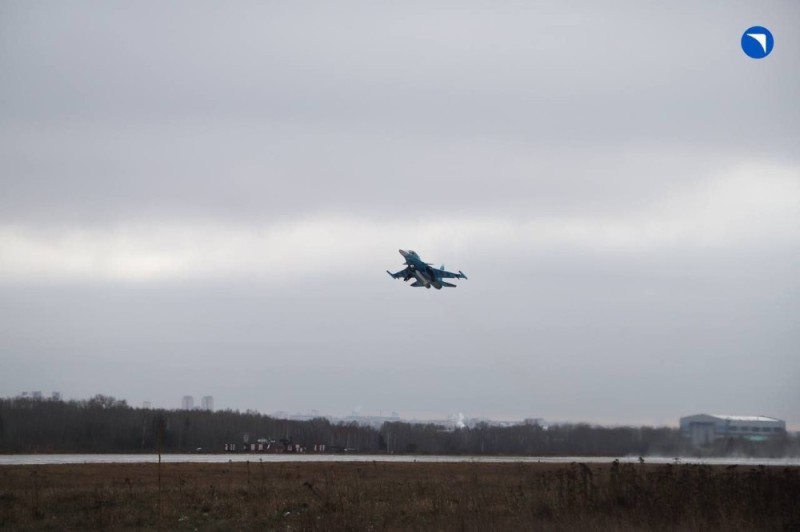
x=424 y=273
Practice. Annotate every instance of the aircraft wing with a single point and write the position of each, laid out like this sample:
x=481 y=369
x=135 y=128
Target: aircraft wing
x=402 y=274
x=450 y=275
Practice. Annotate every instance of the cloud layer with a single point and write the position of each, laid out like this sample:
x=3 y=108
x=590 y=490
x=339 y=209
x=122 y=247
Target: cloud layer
x=203 y=199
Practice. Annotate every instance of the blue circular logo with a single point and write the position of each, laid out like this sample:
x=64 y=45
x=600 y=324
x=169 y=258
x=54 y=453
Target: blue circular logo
x=757 y=42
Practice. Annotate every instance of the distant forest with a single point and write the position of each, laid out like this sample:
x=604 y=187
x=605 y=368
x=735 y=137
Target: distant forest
x=104 y=424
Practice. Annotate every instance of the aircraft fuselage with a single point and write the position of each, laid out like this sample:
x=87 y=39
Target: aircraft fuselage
x=423 y=272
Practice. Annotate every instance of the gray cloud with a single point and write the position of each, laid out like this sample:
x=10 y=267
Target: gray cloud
x=577 y=337
x=203 y=108
x=202 y=199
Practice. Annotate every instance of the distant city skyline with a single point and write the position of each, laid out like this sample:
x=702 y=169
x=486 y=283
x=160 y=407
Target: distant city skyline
x=207 y=403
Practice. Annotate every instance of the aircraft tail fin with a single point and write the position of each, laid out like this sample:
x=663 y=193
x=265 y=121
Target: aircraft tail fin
x=417 y=284
x=449 y=285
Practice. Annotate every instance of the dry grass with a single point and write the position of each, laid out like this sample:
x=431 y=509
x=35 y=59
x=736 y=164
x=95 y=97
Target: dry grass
x=395 y=496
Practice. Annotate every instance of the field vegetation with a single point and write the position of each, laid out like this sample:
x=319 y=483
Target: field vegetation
x=399 y=496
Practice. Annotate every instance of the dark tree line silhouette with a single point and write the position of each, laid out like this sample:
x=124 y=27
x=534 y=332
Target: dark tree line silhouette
x=104 y=424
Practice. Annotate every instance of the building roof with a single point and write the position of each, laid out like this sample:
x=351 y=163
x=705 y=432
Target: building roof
x=745 y=418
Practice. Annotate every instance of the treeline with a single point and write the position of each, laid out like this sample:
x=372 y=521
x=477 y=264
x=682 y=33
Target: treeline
x=104 y=424
x=572 y=440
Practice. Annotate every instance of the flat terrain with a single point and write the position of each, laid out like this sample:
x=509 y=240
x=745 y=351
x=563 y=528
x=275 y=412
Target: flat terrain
x=398 y=496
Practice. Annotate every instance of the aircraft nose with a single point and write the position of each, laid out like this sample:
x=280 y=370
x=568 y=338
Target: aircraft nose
x=403 y=253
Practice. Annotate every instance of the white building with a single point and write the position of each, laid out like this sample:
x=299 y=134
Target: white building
x=187 y=403
x=207 y=402
x=703 y=429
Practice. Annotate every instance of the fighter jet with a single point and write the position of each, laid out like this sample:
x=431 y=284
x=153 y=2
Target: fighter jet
x=424 y=273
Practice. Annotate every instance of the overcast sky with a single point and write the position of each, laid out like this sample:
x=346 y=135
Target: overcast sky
x=202 y=197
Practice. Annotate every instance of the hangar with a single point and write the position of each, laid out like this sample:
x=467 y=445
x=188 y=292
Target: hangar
x=703 y=429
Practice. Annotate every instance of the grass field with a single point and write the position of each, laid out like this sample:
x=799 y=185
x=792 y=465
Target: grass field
x=398 y=496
